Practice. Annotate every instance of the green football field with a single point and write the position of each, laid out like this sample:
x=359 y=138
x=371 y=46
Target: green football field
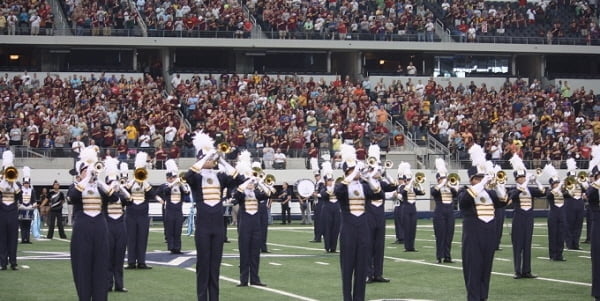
x=299 y=270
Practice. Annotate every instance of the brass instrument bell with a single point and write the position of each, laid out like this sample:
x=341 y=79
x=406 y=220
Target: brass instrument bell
x=420 y=177
x=269 y=180
x=582 y=176
x=500 y=177
x=453 y=179
x=140 y=174
x=388 y=164
x=11 y=174
x=372 y=162
x=224 y=148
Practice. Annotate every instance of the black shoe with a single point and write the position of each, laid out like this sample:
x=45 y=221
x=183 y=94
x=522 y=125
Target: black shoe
x=439 y=260
x=529 y=275
x=518 y=276
x=48 y=237
x=380 y=279
x=560 y=259
x=122 y=290
x=498 y=249
x=242 y=285
x=3 y=268
x=143 y=266
x=399 y=241
x=410 y=250
x=314 y=240
x=585 y=242
x=176 y=251
x=283 y=223
x=448 y=260
x=14 y=267
x=258 y=284
x=226 y=241
x=63 y=237
x=130 y=266
x=369 y=280
x=265 y=251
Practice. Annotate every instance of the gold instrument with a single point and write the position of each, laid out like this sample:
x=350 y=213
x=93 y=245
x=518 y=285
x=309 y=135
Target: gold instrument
x=140 y=174
x=224 y=148
x=453 y=179
x=388 y=164
x=570 y=182
x=10 y=174
x=269 y=180
x=372 y=162
x=258 y=172
x=539 y=172
x=420 y=178
x=501 y=177
x=182 y=177
x=582 y=176
x=98 y=167
x=339 y=179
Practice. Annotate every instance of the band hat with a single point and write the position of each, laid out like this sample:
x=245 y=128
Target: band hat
x=348 y=153
x=440 y=166
x=478 y=161
x=203 y=144
x=571 y=167
x=171 y=167
x=519 y=167
x=593 y=165
x=26 y=175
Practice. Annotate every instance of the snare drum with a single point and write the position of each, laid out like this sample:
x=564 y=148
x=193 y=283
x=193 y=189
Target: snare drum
x=25 y=214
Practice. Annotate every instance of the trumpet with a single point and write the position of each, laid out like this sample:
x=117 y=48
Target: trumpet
x=582 y=177
x=372 y=162
x=420 y=178
x=140 y=174
x=500 y=177
x=182 y=177
x=453 y=179
x=388 y=164
x=224 y=148
x=10 y=174
x=98 y=166
x=269 y=180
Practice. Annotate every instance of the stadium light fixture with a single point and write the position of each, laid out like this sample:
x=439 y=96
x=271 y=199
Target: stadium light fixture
x=14 y=57
x=381 y=62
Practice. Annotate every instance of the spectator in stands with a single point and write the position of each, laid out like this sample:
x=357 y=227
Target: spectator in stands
x=411 y=69
x=279 y=160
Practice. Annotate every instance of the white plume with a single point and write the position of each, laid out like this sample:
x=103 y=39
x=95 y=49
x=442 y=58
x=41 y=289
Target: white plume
x=203 y=142
x=374 y=151
x=571 y=164
x=8 y=159
x=124 y=169
x=26 y=172
x=517 y=163
x=244 y=163
x=595 y=157
x=404 y=169
x=171 y=166
x=89 y=156
x=550 y=171
x=477 y=155
x=326 y=169
x=488 y=167
x=440 y=166
x=140 y=160
x=348 y=153
x=111 y=168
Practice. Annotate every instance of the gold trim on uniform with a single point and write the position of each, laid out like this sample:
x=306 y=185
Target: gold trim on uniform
x=446 y=197
x=92 y=205
x=526 y=203
x=8 y=195
x=251 y=206
x=212 y=195
x=357 y=206
x=559 y=200
x=377 y=203
x=138 y=197
x=411 y=197
x=485 y=210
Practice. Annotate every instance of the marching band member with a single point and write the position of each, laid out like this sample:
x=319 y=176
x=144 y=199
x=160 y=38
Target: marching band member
x=330 y=210
x=522 y=197
x=316 y=207
x=89 y=244
x=574 y=207
x=444 y=194
x=248 y=195
x=556 y=217
x=206 y=185
x=10 y=197
x=171 y=195
x=593 y=197
x=477 y=202
x=117 y=230
x=398 y=211
x=136 y=215
x=26 y=206
x=409 y=191
x=353 y=194
x=376 y=215
x=264 y=206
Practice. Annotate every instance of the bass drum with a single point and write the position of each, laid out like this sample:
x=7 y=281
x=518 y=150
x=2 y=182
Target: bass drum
x=305 y=188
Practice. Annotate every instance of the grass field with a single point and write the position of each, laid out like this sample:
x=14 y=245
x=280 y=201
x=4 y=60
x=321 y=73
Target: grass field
x=299 y=270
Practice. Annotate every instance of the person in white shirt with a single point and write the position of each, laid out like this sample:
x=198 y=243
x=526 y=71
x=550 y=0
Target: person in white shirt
x=77 y=146
x=144 y=140
x=170 y=132
x=35 y=22
x=279 y=160
x=176 y=80
x=411 y=69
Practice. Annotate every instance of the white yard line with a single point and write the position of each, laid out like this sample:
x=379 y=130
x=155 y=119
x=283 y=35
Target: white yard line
x=264 y=288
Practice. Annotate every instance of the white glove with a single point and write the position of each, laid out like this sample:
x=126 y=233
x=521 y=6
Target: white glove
x=230 y=170
x=501 y=191
x=442 y=184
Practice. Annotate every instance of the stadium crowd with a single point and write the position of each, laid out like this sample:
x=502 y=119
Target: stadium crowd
x=289 y=115
x=107 y=17
x=26 y=17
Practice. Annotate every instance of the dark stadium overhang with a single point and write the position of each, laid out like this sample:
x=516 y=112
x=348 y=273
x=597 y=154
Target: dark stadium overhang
x=275 y=44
